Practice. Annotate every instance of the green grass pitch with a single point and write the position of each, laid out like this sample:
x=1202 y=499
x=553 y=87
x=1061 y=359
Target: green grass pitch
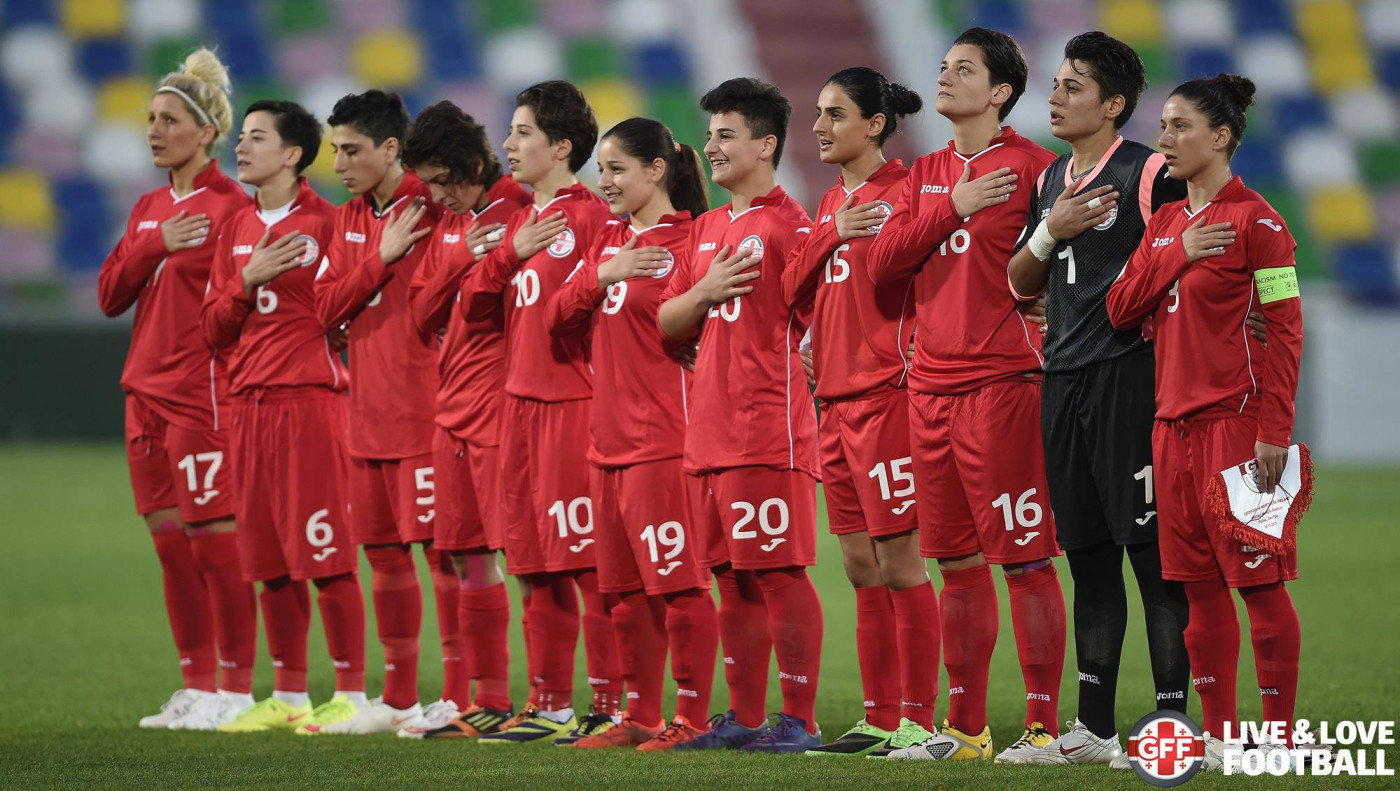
x=87 y=652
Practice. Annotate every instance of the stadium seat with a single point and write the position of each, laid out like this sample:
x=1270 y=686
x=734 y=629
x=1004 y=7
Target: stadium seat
x=677 y=109
x=1254 y=17
x=1318 y=158
x=1297 y=113
x=613 y=100
x=307 y=57
x=28 y=203
x=1004 y=15
x=1388 y=67
x=1276 y=64
x=102 y=58
x=572 y=18
x=84 y=209
x=1365 y=114
x=591 y=59
x=639 y=21
x=1387 y=203
x=367 y=16
x=33 y=56
x=500 y=17
x=483 y=105
x=116 y=155
x=1380 y=161
x=1310 y=260
x=28 y=255
x=446 y=43
x=1342 y=213
x=31 y=12
x=93 y=18
x=1381 y=21
x=1257 y=162
x=297 y=16
x=387 y=59
x=56 y=154
x=1134 y=21
x=520 y=57
x=65 y=105
x=153 y=20
x=660 y=63
x=1366 y=273
x=1206 y=62
x=167 y=54
x=1199 y=23
x=1332 y=32
x=125 y=101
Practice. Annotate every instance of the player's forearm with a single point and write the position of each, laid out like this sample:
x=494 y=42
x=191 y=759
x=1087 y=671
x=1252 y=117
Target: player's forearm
x=430 y=298
x=1027 y=275
x=680 y=316
x=224 y=312
x=1282 y=357
x=902 y=249
x=802 y=275
x=339 y=298
x=1143 y=284
x=571 y=308
x=124 y=274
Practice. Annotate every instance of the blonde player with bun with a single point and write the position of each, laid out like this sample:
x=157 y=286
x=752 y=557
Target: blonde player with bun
x=174 y=384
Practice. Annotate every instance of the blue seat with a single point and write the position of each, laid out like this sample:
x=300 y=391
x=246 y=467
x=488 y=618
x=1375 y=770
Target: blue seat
x=661 y=63
x=1001 y=15
x=27 y=12
x=448 y=50
x=1263 y=16
x=1364 y=271
x=1297 y=113
x=102 y=58
x=82 y=245
x=1257 y=161
x=1206 y=62
x=1388 y=68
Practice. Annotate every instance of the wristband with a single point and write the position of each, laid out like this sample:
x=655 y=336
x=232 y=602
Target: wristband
x=1041 y=243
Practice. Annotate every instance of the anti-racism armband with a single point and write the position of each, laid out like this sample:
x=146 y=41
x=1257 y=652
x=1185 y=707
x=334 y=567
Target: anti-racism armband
x=1275 y=283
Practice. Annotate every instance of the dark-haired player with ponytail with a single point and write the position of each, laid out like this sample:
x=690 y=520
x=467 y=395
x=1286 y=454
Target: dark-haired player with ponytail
x=288 y=413
x=1223 y=397
x=860 y=335
x=394 y=365
x=646 y=549
x=1088 y=211
x=449 y=151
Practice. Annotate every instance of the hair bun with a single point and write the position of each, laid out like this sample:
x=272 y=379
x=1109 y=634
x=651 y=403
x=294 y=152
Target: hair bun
x=205 y=66
x=1241 y=88
x=904 y=101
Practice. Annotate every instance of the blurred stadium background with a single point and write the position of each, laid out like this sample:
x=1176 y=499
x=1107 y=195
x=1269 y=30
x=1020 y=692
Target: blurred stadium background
x=1323 y=145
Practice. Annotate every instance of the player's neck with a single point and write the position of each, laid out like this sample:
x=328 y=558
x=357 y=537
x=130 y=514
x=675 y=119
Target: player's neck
x=485 y=199
x=1206 y=185
x=383 y=192
x=973 y=135
x=278 y=191
x=182 y=177
x=755 y=185
x=860 y=169
x=1087 y=151
x=547 y=187
x=659 y=206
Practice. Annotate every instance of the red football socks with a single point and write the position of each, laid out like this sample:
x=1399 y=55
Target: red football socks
x=969 y=608
x=917 y=634
x=534 y=673
x=795 y=621
x=743 y=633
x=554 y=624
x=1277 y=638
x=234 y=604
x=693 y=633
x=398 y=613
x=456 y=678
x=1038 y=619
x=639 y=621
x=877 y=653
x=485 y=616
x=600 y=645
x=342 y=606
x=187 y=605
x=286 y=607
x=1213 y=645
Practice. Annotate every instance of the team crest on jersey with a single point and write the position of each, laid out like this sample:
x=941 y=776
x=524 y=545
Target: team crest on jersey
x=666 y=266
x=1108 y=221
x=563 y=244
x=887 y=209
x=755 y=245
x=311 y=254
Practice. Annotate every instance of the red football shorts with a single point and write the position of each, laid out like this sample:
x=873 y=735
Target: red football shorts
x=867 y=469
x=468 y=496
x=547 y=486
x=289 y=470
x=392 y=501
x=1185 y=454
x=175 y=466
x=756 y=518
x=640 y=523
x=980 y=467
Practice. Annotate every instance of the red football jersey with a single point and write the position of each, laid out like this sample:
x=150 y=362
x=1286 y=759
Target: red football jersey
x=640 y=389
x=538 y=365
x=168 y=360
x=860 y=331
x=276 y=337
x=393 y=364
x=1206 y=358
x=472 y=367
x=970 y=331
x=750 y=406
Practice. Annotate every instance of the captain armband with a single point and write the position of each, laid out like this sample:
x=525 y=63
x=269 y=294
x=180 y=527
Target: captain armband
x=1276 y=283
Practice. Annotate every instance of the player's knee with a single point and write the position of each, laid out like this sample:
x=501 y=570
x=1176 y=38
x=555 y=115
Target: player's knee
x=862 y=569
x=164 y=520
x=963 y=563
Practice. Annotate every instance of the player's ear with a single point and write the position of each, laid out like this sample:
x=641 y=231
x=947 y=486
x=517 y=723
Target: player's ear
x=656 y=171
x=1001 y=94
x=1222 y=138
x=770 y=145
x=391 y=150
x=563 y=148
x=291 y=155
x=875 y=126
x=1114 y=106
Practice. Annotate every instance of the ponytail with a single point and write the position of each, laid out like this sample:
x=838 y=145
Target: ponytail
x=648 y=141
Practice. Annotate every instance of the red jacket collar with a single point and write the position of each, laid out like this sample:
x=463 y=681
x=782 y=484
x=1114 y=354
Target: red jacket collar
x=879 y=172
x=1007 y=132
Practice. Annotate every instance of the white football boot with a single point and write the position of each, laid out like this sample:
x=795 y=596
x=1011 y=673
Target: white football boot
x=377 y=717
x=211 y=712
x=1077 y=746
x=178 y=706
x=436 y=715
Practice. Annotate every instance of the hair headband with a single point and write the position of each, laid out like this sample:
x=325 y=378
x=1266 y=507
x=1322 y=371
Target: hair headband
x=199 y=111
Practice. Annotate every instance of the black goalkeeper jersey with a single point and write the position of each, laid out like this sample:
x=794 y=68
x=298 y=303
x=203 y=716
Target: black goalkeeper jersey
x=1078 y=332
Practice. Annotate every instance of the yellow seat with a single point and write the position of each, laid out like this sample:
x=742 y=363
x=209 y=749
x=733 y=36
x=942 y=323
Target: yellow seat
x=387 y=59
x=125 y=101
x=1133 y=21
x=94 y=18
x=1342 y=214
x=27 y=203
x=1337 y=50
x=613 y=100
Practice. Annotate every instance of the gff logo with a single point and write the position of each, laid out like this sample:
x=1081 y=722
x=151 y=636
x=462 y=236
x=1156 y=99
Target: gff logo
x=1166 y=748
